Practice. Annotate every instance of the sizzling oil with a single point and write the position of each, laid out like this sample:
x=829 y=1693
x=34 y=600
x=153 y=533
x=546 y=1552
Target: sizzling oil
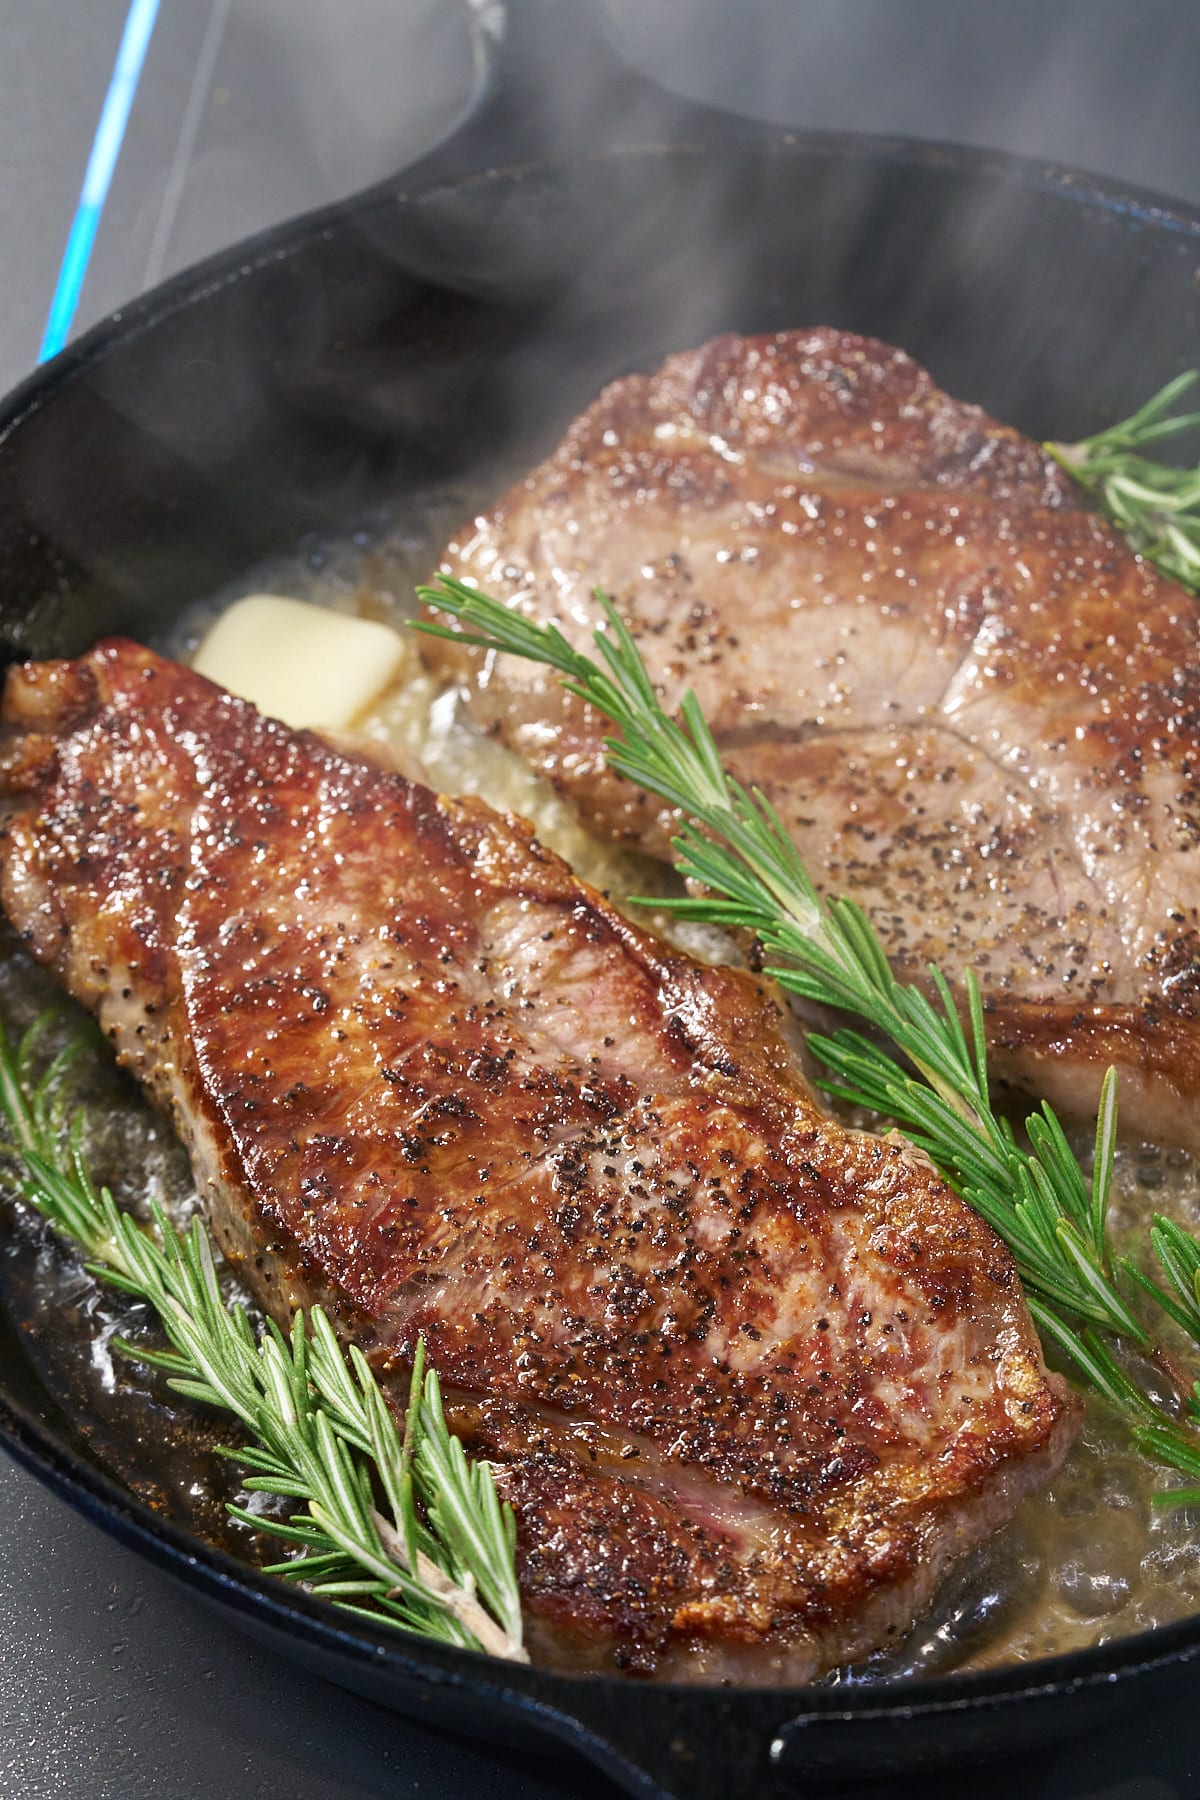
x=1087 y=1560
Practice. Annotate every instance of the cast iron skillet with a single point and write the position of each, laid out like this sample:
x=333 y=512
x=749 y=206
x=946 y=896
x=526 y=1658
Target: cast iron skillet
x=445 y=327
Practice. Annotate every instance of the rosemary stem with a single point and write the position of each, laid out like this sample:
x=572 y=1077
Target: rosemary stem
x=732 y=846
x=319 y=1430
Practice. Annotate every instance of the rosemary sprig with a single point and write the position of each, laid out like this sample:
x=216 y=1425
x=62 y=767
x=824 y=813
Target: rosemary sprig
x=401 y=1527
x=1155 y=505
x=933 y=1081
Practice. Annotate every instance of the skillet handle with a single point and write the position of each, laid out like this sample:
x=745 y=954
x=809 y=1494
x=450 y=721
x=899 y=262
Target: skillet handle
x=550 y=85
x=669 y=1744
x=664 y=1743
x=679 y=1743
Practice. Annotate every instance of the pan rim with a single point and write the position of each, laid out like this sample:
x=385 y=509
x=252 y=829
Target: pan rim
x=429 y=181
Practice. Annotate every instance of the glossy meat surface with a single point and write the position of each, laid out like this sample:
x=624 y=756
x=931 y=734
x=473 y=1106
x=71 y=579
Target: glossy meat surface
x=752 y=1380
x=976 y=710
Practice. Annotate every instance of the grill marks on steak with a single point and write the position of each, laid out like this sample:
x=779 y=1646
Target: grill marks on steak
x=752 y=1380
x=976 y=710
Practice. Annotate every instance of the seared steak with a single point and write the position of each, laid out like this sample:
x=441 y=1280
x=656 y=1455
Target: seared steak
x=976 y=710
x=752 y=1379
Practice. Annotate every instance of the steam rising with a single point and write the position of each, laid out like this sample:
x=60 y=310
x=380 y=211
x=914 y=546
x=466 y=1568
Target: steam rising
x=1057 y=82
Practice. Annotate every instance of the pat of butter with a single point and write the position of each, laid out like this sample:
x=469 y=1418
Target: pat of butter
x=300 y=663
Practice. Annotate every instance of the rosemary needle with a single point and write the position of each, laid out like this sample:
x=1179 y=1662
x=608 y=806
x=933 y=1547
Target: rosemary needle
x=933 y=1080
x=1155 y=505
x=402 y=1527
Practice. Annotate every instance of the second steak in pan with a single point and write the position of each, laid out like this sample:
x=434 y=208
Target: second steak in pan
x=977 y=711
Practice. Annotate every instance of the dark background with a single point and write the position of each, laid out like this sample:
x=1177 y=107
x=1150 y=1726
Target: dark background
x=113 y=1684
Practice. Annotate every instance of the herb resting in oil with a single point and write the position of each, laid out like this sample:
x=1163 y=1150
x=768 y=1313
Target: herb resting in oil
x=929 y=1072
x=399 y=1525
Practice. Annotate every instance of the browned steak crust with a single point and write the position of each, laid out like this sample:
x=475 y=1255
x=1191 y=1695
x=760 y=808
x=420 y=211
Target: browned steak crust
x=976 y=710
x=752 y=1379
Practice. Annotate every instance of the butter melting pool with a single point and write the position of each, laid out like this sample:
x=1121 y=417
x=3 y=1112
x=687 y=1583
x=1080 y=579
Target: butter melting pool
x=1087 y=1560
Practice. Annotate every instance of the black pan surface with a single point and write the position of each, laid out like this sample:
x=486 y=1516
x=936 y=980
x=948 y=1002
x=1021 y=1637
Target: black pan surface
x=444 y=329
